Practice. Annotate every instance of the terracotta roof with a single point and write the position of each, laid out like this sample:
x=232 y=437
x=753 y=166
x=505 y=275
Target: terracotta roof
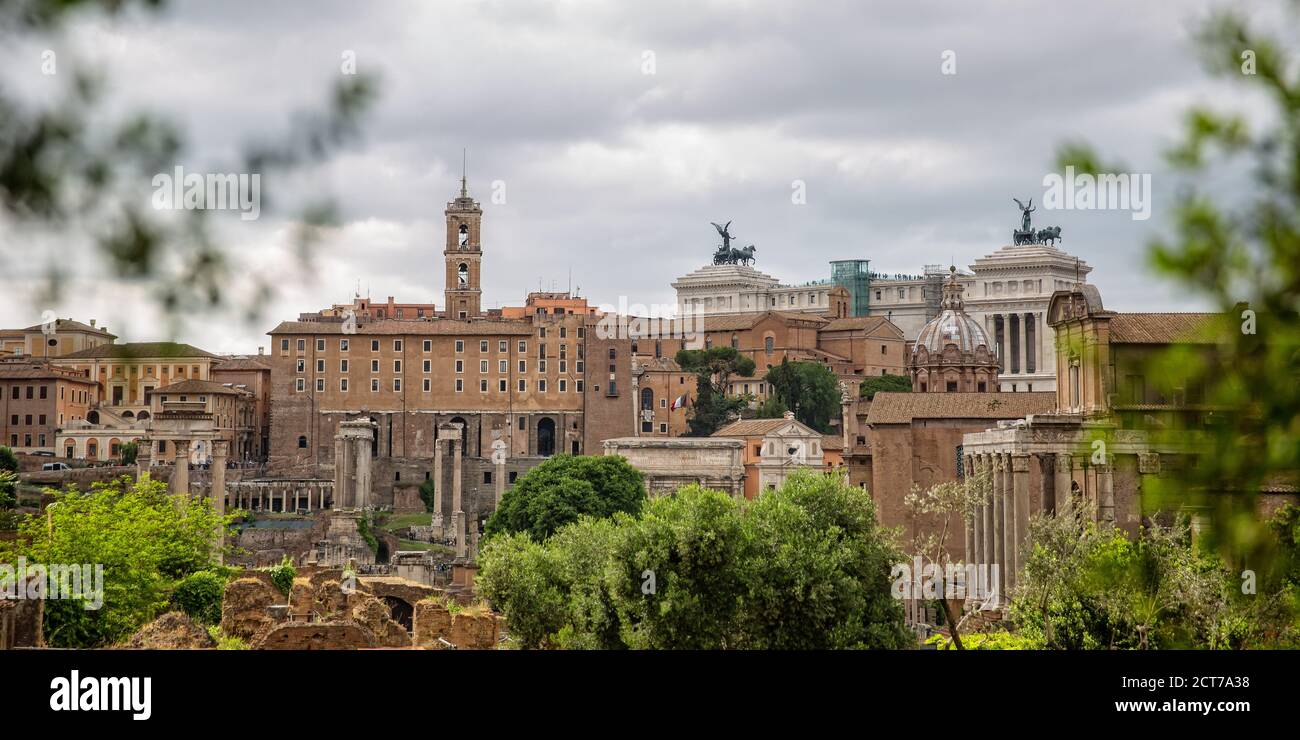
x=832 y=442
x=1164 y=328
x=413 y=327
x=901 y=408
x=137 y=350
x=858 y=322
x=197 y=386
x=33 y=371
x=754 y=427
x=70 y=325
x=241 y=363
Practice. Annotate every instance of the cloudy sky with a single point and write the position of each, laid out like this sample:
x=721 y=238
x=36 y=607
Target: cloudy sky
x=617 y=131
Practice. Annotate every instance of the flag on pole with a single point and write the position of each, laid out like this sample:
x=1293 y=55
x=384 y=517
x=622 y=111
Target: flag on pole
x=679 y=402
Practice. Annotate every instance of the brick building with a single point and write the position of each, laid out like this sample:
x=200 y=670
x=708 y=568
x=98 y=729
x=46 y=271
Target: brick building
x=36 y=399
x=544 y=383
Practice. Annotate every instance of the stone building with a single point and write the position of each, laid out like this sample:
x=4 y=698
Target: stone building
x=660 y=390
x=253 y=374
x=916 y=439
x=127 y=372
x=541 y=384
x=952 y=353
x=232 y=410
x=55 y=339
x=774 y=448
x=725 y=289
x=670 y=463
x=36 y=399
x=1095 y=450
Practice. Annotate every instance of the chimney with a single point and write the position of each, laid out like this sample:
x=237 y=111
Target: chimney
x=92 y=323
x=260 y=350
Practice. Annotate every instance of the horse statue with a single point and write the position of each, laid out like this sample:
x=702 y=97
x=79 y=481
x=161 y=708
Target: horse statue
x=743 y=256
x=1050 y=234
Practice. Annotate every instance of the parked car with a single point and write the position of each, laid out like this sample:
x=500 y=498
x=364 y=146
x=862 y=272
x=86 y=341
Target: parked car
x=55 y=466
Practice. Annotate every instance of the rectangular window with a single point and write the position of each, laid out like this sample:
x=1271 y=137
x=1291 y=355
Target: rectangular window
x=482 y=386
x=302 y=365
x=581 y=333
x=523 y=366
x=45 y=390
x=301 y=385
x=320 y=365
x=563 y=332
x=523 y=347
x=564 y=366
x=542 y=332
x=397 y=385
x=523 y=385
x=374 y=366
x=502 y=367
x=374 y=345
x=302 y=345
x=501 y=346
x=343 y=384
x=501 y=385
x=343 y=345
x=343 y=366
x=320 y=345
x=564 y=385
x=428 y=345
x=541 y=366
x=460 y=366
x=460 y=345
x=482 y=345
x=284 y=345
x=460 y=385
x=577 y=385
x=374 y=385
x=482 y=366
x=541 y=385
x=577 y=366
x=397 y=345
x=320 y=385
x=428 y=366
x=428 y=385
x=397 y=366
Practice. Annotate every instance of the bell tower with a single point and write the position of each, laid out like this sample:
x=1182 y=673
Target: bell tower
x=463 y=255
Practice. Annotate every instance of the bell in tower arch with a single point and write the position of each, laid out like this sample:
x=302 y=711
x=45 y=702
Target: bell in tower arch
x=464 y=235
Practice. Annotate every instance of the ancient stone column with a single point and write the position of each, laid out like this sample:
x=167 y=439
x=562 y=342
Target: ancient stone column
x=143 y=458
x=220 y=449
x=968 y=518
x=1008 y=524
x=180 y=482
x=986 y=509
x=977 y=517
x=1020 y=489
x=341 y=453
x=361 y=493
x=437 y=487
x=1061 y=482
x=1106 y=490
x=999 y=528
x=458 y=511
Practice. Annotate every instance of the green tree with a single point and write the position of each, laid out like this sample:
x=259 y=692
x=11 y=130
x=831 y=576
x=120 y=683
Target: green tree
x=426 y=494
x=129 y=452
x=199 y=595
x=564 y=488
x=146 y=539
x=1242 y=254
x=8 y=460
x=804 y=567
x=712 y=407
x=890 y=383
x=808 y=389
x=8 y=489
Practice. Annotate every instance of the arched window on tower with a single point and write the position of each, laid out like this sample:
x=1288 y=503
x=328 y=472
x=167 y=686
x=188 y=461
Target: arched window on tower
x=462 y=274
x=463 y=239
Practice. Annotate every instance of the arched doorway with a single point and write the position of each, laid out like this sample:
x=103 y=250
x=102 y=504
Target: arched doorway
x=546 y=437
x=464 y=436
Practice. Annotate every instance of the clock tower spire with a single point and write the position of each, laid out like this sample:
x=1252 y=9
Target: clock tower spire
x=463 y=254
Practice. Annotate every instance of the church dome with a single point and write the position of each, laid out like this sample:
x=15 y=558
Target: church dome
x=952 y=326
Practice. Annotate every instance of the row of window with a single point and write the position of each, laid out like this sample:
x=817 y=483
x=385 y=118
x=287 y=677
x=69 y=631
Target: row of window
x=27 y=420
x=502 y=366
x=43 y=393
x=27 y=440
x=301 y=385
x=483 y=345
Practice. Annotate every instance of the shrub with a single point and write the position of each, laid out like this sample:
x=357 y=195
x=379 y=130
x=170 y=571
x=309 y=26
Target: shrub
x=199 y=596
x=282 y=575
